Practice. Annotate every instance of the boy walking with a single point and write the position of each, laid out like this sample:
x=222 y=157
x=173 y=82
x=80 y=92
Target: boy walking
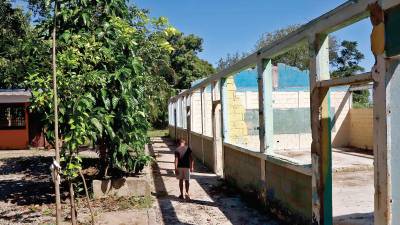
x=183 y=166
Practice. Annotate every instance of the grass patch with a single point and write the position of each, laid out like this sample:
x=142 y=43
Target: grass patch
x=157 y=133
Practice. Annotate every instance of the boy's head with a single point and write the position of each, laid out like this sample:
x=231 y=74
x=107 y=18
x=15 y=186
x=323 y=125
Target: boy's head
x=181 y=142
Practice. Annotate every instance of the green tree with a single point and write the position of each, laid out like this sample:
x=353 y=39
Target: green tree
x=173 y=71
x=185 y=64
x=229 y=60
x=102 y=79
x=346 y=63
x=14 y=32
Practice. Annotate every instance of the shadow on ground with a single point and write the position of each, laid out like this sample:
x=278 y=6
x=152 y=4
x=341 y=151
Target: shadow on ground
x=355 y=219
x=26 y=180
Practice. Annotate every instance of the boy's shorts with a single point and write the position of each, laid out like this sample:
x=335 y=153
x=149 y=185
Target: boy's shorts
x=183 y=174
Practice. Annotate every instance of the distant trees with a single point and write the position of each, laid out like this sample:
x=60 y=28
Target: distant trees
x=176 y=70
x=14 y=31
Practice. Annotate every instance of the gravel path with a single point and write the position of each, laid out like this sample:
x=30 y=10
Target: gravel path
x=25 y=186
x=210 y=203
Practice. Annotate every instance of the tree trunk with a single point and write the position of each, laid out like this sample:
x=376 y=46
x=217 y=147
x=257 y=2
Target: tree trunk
x=87 y=196
x=72 y=202
x=103 y=158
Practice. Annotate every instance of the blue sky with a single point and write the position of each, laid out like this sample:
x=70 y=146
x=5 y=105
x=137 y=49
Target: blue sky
x=229 y=26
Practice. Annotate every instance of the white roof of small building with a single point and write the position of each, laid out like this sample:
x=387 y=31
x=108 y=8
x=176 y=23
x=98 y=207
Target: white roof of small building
x=14 y=96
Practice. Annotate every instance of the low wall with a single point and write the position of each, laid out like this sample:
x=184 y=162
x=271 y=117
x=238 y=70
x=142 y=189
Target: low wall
x=361 y=128
x=14 y=139
x=208 y=152
x=244 y=170
x=171 y=130
x=288 y=189
x=288 y=184
x=195 y=145
x=181 y=133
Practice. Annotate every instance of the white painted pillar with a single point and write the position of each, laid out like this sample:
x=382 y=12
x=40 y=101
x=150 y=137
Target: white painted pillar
x=266 y=119
x=202 y=121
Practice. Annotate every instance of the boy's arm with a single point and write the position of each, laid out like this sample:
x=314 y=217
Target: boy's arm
x=176 y=165
x=191 y=163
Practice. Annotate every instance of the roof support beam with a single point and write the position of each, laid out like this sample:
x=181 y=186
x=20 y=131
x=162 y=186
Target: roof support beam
x=355 y=79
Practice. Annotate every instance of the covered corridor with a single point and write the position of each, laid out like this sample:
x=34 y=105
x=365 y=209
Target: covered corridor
x=212 y=201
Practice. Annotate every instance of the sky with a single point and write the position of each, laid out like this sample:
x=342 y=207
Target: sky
x=229 y=26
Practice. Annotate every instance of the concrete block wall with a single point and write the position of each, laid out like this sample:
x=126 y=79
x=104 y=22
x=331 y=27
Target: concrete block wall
x=237 y=128
x=340 y=101
x=361 y=128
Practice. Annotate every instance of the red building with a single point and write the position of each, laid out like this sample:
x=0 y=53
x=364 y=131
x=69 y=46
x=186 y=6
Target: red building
x=14 y=122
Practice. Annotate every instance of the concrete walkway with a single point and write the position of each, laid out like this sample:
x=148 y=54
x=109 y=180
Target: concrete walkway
x=211 y=201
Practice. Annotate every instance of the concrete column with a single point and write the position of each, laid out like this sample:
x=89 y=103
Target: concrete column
x=321 y=151
x=266 y=121
x=202 y=121
x=385 y=45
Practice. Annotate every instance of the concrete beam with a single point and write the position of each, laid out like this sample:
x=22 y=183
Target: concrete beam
x=355 y=79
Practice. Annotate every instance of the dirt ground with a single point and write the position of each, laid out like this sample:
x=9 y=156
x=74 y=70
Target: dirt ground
x=27 y=194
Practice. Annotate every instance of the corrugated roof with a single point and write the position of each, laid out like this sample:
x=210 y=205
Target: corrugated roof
x=15 y=92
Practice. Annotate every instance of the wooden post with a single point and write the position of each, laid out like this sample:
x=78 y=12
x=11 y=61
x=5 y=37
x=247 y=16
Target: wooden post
x=266 y=122
x=57 y=147
x=202 y=122
x=223 y=120
x=175 y=122
x=385 y=45
x=265 y=112
x=188 y=118
x=321 y=151
x=216 y=131
x=383 y=116
x=214 y=125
